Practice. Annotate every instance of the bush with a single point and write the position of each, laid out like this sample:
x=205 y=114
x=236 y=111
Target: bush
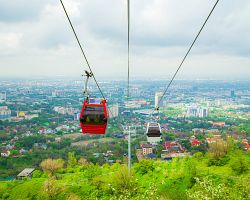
x=6 y=195
x=217 y=161
x=37 y=174
x=145 y=166
x=218 y=150
x=72 y=162
x=207 y=189
x=50 y=189
x=174 y=189
x=123 y=183
x=73 y=197
x=239 y=165
x=198 y=155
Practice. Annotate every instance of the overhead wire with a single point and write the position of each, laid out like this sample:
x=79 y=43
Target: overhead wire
x=184 y=58
x=128 y=51
x=83 y=53
x=128 y=48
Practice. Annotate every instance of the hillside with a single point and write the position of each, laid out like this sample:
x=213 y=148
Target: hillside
x=182 y=178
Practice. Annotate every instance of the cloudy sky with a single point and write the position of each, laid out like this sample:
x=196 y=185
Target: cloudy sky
x=36 y=40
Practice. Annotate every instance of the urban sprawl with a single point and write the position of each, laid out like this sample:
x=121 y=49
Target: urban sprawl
x=39 y=119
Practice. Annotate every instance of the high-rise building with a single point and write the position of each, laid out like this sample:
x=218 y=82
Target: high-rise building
x=158 y=96
x=3 y=96
x=203 y=112
x=113 y=110
x=76 y=116
x=194 y=111
x=5 y=113
x=232 y=94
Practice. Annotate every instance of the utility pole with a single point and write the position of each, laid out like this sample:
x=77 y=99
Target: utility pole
x=127 y=129
x=129 y=150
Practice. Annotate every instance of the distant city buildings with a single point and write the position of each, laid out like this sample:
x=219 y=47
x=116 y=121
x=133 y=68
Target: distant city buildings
x=5 y=113
x=158 y=96
x=146 y=112
x=203 y=112
x=136 y=103
x=147 y=149
x=3 y=97
x=232 y=94
x=194 y=111
x=172 y=149
x=64 y=111
x=154 y=140
x=31 y=116
x=113 y=110
x=21 y=114
x=76 y=116
x=56 y=93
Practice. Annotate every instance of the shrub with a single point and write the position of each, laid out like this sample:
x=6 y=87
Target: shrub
x=145 y=166
x=6 y=195
x=83 y=162
x=50 y=189
x=37 y=174
x=207 y=189
x=72 y=162
x=174 y=189
x=218 y=149
x=198 y=155
x=239 y=165
x=123 y=183
x=73 y=197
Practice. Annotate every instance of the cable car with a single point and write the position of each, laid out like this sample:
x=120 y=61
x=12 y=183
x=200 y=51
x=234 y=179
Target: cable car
x=94 y=116
x=153 y=133
x=153 y=129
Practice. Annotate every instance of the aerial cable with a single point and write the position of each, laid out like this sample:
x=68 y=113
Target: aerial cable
x=128 y=50
x=183 y=60
x=84 y=55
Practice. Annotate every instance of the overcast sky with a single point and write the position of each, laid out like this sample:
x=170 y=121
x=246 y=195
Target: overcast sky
x=36 y=39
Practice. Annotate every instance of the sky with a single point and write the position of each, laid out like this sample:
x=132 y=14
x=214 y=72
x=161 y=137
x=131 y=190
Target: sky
x=36 y=39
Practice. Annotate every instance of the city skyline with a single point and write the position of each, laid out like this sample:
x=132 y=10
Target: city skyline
x=36 y=40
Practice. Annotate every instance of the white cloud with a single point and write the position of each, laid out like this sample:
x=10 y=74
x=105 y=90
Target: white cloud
x=10 y=40
x=42 y=43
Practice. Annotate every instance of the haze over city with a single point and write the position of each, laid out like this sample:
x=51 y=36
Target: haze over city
x=36 y=40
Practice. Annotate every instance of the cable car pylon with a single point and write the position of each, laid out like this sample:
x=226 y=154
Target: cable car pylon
x=127 y=129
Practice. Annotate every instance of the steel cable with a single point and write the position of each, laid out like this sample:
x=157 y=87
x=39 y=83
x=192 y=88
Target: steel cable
x=183 y=60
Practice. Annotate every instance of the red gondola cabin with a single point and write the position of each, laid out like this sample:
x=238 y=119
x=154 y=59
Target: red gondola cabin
x=94 y=116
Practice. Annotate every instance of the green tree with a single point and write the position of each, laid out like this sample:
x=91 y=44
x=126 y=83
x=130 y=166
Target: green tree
x=217 y=152
x=50 y=166
x=72 y=162
x=170 y=136
x=14 y=152
x=239 y=164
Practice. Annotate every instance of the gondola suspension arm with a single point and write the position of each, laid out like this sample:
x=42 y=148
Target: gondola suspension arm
x=86 y=91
